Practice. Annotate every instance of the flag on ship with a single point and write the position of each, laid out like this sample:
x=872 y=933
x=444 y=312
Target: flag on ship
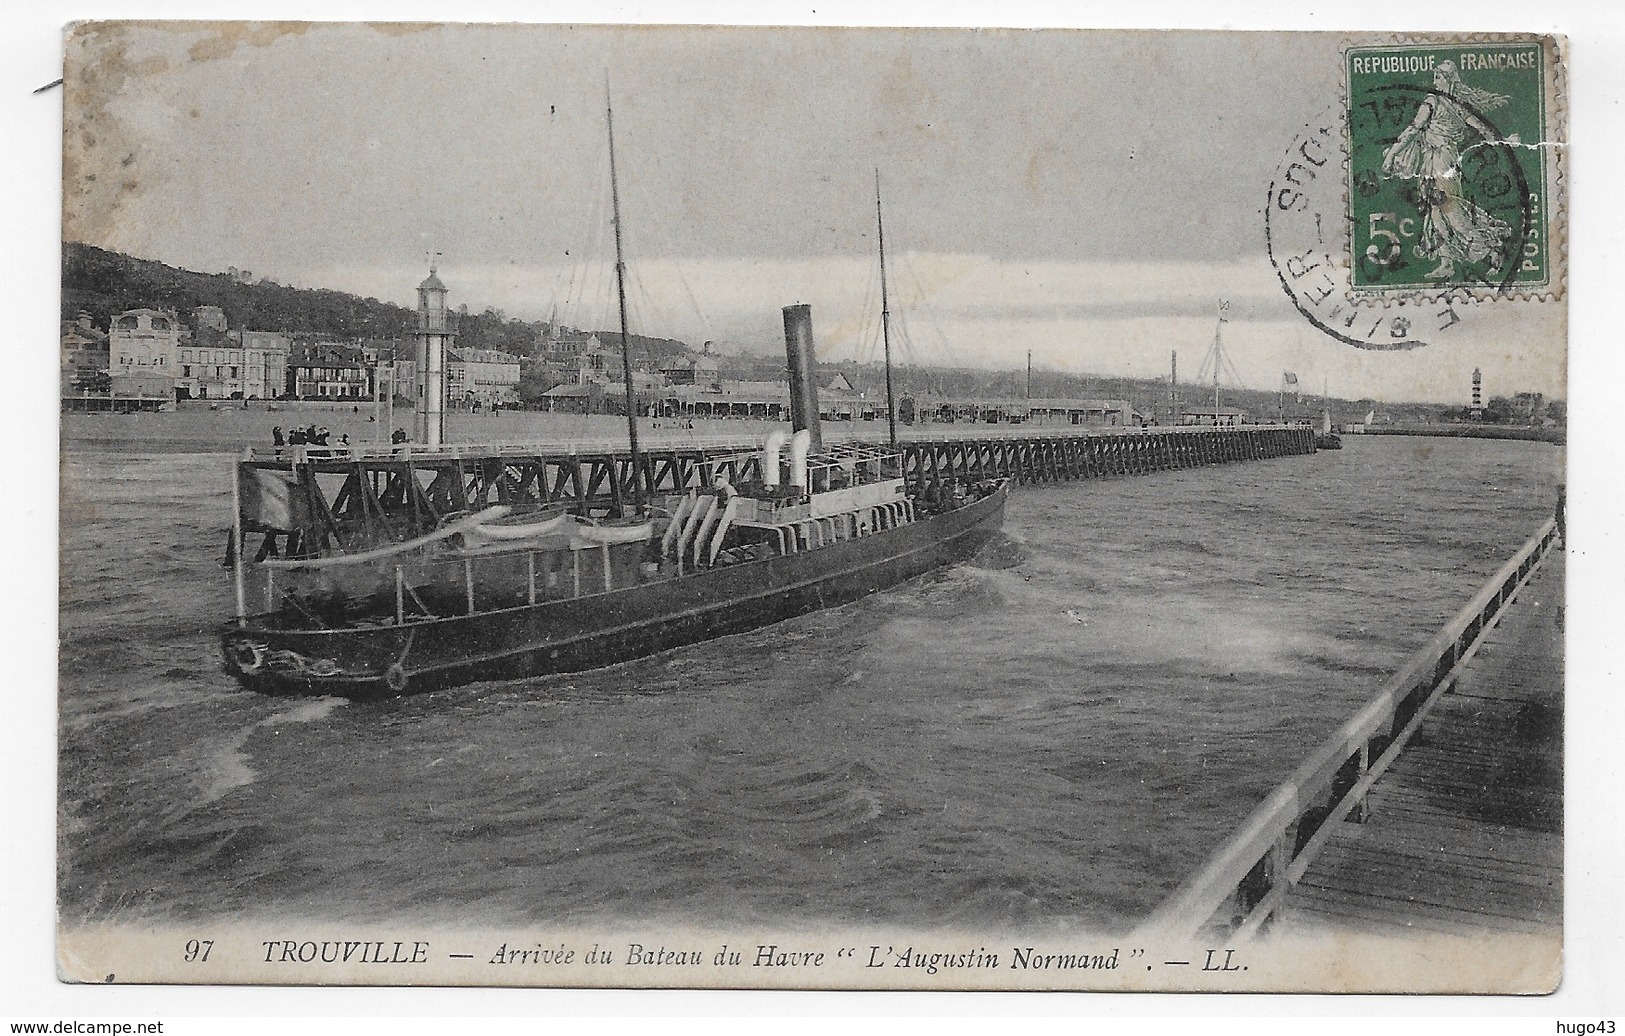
x=1288 y=378
x=269 y=501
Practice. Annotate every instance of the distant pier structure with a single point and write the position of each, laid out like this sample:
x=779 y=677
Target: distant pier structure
x=931 y=458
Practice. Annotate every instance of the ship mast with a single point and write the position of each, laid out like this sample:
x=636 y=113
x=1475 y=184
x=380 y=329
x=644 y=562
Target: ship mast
x=1216 y=358
x=885 y=316
x=620 y=291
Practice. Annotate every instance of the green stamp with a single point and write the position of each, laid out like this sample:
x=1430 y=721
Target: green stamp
x=1447 y=167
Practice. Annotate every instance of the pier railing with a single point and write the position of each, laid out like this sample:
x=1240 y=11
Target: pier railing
x=666 y=439
x=1242 y=885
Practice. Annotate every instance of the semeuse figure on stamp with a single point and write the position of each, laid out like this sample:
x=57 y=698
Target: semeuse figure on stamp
x=1429 y=150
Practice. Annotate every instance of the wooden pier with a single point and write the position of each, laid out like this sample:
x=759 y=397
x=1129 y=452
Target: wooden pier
x=1463 y=833
x=1436 y=809
x=1055 y=456
x=400 y=491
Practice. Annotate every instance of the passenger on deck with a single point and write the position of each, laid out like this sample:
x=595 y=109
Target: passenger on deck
x=724 y=489
x=296 y=437
x=398 y=436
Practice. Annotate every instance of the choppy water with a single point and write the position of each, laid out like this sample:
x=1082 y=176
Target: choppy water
x=1053 y=736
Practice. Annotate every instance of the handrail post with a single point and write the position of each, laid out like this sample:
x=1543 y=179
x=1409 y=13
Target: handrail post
x=238 y=550
x=1362 y=806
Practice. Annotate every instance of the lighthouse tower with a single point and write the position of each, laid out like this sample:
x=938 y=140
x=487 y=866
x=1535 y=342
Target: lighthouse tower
x=1478 y=392
x=434 y=334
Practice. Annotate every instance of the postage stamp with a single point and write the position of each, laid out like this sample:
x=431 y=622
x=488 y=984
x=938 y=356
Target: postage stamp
x=1448 y=167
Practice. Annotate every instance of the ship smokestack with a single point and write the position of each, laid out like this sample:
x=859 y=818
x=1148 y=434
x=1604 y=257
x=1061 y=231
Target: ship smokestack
x=798 y=347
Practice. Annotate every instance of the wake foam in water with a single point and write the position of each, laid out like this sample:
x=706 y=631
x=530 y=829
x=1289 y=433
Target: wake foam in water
x=227 y=768
x=308 y=711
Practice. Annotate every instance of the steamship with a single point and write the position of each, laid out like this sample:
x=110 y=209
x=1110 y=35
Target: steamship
x=490 y=580
x=400 y=568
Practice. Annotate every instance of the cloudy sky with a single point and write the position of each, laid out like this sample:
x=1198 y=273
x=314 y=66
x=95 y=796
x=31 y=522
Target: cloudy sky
x=1085 y=196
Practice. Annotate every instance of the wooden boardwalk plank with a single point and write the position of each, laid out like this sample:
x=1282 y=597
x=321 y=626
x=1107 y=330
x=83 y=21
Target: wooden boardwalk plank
x=1464 y=833
x=1375 y=854
x=1388 y=916
x=1444 y=887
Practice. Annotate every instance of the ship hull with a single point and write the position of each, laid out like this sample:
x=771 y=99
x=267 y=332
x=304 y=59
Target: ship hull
x=603 y=629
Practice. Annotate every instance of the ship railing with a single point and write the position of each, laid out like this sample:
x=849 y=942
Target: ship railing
x=1243 y=884
x=470 y=582
x=427 y=584
x=358 y=568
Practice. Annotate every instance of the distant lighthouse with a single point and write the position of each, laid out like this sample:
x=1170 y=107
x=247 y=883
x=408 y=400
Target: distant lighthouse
x=434 y=334
x=1478 y=389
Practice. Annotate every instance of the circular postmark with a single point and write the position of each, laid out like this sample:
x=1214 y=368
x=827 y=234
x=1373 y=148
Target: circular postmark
x=1306 y=235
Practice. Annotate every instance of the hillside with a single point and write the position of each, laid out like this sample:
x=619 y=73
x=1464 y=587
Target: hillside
x=102 y=283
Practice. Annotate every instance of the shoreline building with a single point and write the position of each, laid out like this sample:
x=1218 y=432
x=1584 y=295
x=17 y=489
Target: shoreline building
x=392 y=366
x=1104 y=413
x=84 y=355
x=572 y=357
x=483 y=376
x=1218 y=417
x=265 y=355
x=701 y=371
x=327 y=370
x=219 y=364
x=142 y=348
